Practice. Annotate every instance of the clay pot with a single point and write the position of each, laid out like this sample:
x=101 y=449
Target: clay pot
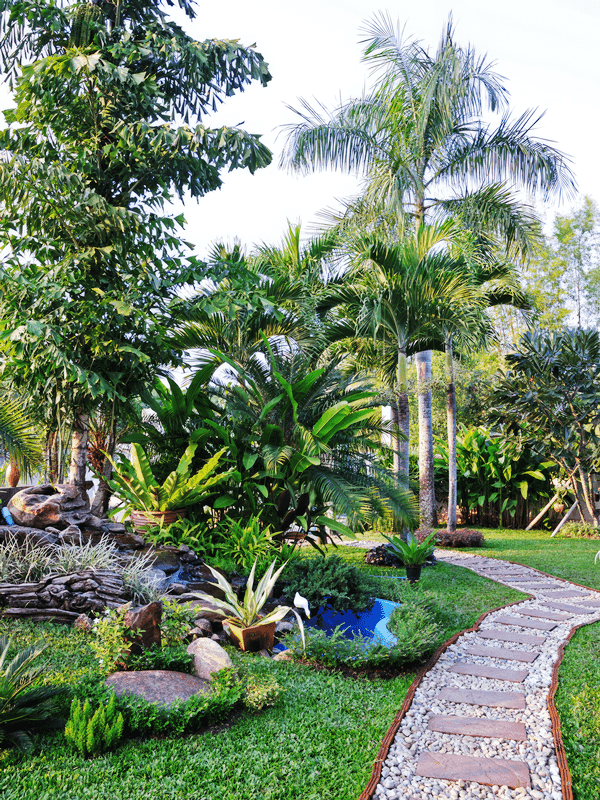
x=13 y=474
x=254 y=638
x=143 y=520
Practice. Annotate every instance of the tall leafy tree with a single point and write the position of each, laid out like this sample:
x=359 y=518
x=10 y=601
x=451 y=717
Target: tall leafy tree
x=108 y=127
x=425 y=151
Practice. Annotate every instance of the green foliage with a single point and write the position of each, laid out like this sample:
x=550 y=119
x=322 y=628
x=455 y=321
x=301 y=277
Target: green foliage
x=24 y=704
x=19 y=437
x=196 y=535
x=172 y=657
x=176 y=621
x=137 y=490
x=108 y=642
x=579 y=530
x=499 y=477
x=331 y=582
x=411 y=552
x=246 y=543
x=261 y=692
x=94 y=730
x=549 y=398
x=415 y=627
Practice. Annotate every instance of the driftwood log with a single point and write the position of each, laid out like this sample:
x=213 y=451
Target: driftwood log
x=63 y=598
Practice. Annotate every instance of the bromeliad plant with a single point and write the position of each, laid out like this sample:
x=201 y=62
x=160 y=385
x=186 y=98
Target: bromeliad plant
x=247 y=614
x=410 y=551
x=135 y=486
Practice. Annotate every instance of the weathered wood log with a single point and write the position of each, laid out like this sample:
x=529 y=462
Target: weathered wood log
x=41 y=614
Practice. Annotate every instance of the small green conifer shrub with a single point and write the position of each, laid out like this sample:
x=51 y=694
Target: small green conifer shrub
x=94 y=730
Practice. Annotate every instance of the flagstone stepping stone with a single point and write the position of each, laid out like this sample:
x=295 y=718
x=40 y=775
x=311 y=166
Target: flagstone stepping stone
x=593 y=603
x=508 y=636
x=503 y=652
x=521 y=579
x=478 y=726
x=478 y=697
x=568 y=593
x=536 y=612
x=488 y=771
x=495 y=673
x=529 y=585
x=538 y=625
x=566 y=607
x=158 y=685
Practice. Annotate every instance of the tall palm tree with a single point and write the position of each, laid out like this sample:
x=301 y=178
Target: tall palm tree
x=424 y=151
x=19 y=438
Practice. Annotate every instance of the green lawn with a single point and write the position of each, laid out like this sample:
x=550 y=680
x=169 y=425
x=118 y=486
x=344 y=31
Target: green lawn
x=318 y=742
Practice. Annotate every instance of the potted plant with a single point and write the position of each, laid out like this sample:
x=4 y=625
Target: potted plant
x=413 y=554
x=250 y=629
x=150 y=503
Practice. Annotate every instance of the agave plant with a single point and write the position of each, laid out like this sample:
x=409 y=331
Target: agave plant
x=23 y=706
x=135 y=486
x=247 y=614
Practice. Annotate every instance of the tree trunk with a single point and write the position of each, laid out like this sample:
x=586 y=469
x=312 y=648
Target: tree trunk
x=426 y=480
x=451 y=426
x=402 y=462
x=52 y=456
x=79 y=441
x=103 y=493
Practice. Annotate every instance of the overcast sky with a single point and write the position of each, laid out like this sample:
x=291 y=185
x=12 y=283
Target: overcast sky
x=546 y=49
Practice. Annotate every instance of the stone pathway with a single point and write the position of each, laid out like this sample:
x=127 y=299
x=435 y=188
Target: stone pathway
x=479 y=725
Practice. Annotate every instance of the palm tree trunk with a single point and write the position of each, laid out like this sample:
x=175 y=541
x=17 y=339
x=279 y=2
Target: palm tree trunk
x=426 y=479
x=79 y=441
x=402 y=462
x=451 y=426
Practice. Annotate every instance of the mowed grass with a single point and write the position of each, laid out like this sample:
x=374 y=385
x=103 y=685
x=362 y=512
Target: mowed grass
x=318 y=742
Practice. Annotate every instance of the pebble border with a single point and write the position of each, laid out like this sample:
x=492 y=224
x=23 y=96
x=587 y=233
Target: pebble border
x=477 y=563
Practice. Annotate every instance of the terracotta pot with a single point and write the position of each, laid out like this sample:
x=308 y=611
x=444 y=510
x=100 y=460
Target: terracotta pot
x=413 y=573
x=254 y=638
x=143 y=520
x=13 y=474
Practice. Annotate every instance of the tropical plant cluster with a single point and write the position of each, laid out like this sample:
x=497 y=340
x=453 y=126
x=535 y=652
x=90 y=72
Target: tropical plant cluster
x=330 y=582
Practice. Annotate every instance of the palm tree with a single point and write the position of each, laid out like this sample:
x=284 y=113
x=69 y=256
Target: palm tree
x=403 y=296
x=19 y=438
x=424 y=151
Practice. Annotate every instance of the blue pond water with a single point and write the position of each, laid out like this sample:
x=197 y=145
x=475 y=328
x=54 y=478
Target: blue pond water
x=371 y=623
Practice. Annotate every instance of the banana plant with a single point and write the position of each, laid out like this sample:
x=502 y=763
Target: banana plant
x=137 y=490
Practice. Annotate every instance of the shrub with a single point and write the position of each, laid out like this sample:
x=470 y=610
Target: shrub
x=466 y=537
x=176 y=622
x=336 y=649
x=23 y=705
x=579 y=530
x=108 y=642
x=261 y=692
x=93 y=731
x=331 y=581
x=174 y=657
x=246 y=543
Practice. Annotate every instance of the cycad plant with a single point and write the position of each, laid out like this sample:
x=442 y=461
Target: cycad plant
x=23 y=705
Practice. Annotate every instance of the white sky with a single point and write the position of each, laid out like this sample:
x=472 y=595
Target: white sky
x=546 y=49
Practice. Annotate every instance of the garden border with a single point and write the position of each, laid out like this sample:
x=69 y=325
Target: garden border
x=561 y=756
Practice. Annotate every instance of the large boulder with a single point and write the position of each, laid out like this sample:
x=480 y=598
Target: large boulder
x=157 y=686
x=56 y=506
x=209 y=657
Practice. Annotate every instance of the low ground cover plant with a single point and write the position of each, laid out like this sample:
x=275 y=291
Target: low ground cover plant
x=94 y=730
x=579 y=530
x=330 y=581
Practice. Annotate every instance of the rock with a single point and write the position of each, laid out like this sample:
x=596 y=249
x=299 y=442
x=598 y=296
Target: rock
x=83 y=623
x=157 y=576
x=209 y=657
x=221 y=636
x=204 y=626
x=47 y=505
x=113 y=527
x=158 y=686
x=32 y=535
x=285 y=655
x=71 y=535
x=144 y=623
x=284 y=627
x=167 y=560
x=129 y=541
x=263 y=653
x=177 y=588
x=382 y=556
